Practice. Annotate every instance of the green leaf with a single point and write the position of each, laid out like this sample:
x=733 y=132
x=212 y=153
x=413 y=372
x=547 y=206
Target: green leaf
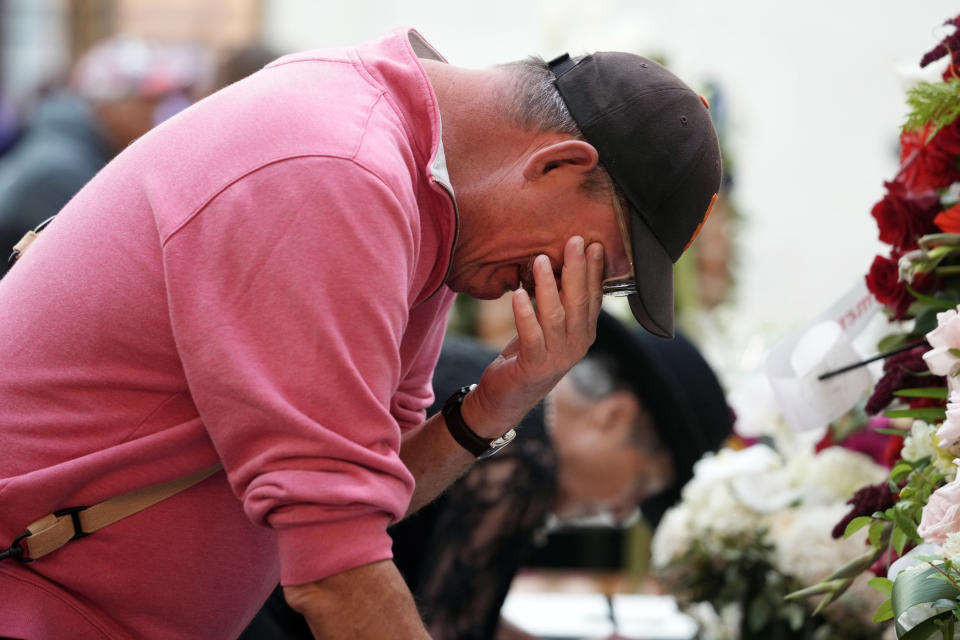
x=884 y=611
x=927 y=414
x=925 y=322
x=759 y=613
x=924 y=630
x=900 y=471
x=936 y=103
x=796 y=616
x=892 y=431
x=899 y=540
x=934 y=303
x=876 y=533
x=883 y=585
x=903 y=522
x=916 y=586
x=927 y=392
x=892 y=341
x=950 y=270
x=856 y=524
x=946 y=603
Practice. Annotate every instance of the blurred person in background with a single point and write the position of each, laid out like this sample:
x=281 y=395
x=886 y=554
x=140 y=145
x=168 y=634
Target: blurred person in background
x=118 y=90
x=619 y=434
x=240 y=62
x=10 y=125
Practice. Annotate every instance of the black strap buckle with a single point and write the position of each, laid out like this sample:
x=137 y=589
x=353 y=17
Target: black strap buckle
x=74 y=513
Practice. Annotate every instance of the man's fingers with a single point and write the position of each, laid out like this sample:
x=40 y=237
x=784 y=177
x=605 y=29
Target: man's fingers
x=594 y=279
x=529 y=338
x=550 y=309
x=573 y=288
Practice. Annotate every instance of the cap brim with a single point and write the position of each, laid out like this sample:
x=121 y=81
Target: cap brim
x=652 y=306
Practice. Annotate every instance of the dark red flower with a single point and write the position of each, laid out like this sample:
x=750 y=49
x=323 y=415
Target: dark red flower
x=905 y=370
x=949 y=220
x=902 y=217
x=950 y=45
x=929 y=165
x=866 y=502
x=884 y=283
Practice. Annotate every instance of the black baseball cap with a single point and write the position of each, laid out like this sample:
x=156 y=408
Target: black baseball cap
x=655 y=138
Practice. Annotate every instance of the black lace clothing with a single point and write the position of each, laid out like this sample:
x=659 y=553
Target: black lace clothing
x=460 y=553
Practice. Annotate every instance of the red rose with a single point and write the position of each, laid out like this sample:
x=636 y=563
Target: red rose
x=929 y=165
x=884 y=283
x=949 y=220
x=902 y=217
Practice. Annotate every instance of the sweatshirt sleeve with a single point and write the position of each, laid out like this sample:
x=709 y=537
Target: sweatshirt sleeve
x=289 y=296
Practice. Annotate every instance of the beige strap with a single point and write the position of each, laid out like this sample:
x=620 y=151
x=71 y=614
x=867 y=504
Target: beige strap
x=25 y=242
x=52 y=531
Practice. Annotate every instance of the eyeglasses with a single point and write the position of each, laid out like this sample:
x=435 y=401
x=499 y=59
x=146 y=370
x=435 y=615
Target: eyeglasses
x=618 y=270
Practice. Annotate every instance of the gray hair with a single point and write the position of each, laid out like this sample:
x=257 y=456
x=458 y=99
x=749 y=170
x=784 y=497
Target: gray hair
x=597 y=376
x=536 y=105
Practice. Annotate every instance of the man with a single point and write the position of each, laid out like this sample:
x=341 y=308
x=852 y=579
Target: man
x=115 y=90
x=263 y=281
x=622 y=428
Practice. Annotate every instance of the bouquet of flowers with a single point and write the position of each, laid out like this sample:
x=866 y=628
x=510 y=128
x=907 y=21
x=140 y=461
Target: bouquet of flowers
x=912 y=519
x=753 y=525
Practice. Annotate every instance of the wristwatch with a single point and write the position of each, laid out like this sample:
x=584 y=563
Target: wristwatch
x=464 y=435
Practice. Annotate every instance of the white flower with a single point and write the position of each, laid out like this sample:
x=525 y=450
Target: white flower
x=804 y=546
x=909 y=263
x=729 y=463
x=715 y=509
x=672 y=536
x=944 y=338
x=923 y=442
x=835 y=474
x=920 y=442
x=951 y=546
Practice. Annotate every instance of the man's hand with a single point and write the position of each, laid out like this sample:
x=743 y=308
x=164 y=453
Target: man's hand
x=550 y=339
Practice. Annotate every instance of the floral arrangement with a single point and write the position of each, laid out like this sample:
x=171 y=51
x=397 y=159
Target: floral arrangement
x=753 y=525
x=912 y=518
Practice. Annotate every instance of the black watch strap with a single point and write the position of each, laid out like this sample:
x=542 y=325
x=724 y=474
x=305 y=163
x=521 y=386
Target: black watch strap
x=464 y=435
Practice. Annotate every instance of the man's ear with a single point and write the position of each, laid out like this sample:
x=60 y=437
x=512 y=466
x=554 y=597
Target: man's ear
x=616 y=414
x=570 y=155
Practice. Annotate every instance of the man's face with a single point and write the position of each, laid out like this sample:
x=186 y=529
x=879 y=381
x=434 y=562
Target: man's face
x=497 y=257
x=601 y=470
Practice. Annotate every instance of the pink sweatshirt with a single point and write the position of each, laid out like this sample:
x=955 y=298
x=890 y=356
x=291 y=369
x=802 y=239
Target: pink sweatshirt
x=258 y=281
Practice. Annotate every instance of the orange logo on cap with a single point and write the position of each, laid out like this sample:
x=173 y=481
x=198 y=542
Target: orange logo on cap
x=700 y=226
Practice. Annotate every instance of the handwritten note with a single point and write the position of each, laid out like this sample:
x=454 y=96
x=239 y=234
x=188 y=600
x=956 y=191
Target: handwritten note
x=793 y=368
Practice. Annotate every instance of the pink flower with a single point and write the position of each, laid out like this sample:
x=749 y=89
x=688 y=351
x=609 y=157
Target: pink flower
x=949 y=431
x=944 y=338
x=941 y=514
